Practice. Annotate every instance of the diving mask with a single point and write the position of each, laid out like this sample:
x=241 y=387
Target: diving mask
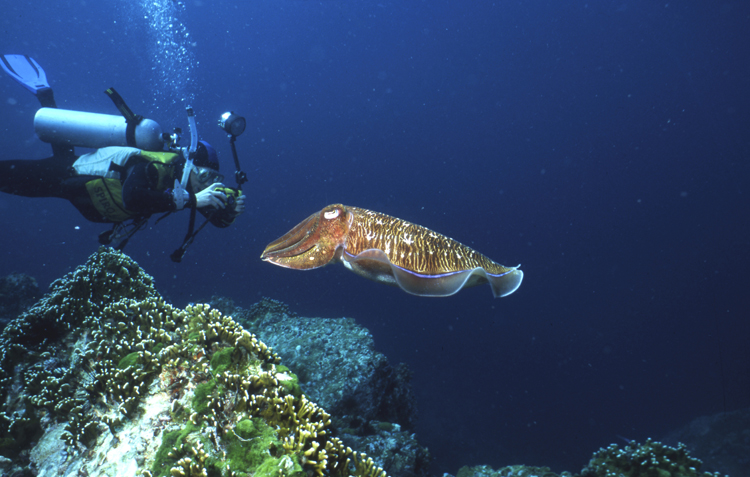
x=203 y=177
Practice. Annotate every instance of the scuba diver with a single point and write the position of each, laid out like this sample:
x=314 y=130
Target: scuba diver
x=123 y=181
x=131 y=182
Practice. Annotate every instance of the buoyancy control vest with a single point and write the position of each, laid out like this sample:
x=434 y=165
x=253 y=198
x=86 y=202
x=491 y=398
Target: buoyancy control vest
x=109 y=165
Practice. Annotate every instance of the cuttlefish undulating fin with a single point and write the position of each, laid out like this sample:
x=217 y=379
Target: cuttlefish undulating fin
x=389 y=250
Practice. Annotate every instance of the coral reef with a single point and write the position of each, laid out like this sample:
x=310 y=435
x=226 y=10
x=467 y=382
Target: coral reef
x=371 y=404
x=650 y=459
x=103 y=376
x=395 y=450
x=336 y=362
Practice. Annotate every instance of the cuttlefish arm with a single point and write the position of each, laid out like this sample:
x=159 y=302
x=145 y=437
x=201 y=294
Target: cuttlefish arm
x=316 y=241
x=389 y=250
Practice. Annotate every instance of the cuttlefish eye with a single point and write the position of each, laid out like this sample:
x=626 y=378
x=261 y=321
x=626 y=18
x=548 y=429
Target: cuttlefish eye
x=331 y=214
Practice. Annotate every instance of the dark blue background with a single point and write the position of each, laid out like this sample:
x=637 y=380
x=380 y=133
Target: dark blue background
x=603 y=145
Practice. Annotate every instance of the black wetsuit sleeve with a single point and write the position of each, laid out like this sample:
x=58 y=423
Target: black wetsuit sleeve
x=36 y=178
x=140 y=192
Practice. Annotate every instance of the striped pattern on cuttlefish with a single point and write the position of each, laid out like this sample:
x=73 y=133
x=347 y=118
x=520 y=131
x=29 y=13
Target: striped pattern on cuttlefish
x=389 y=250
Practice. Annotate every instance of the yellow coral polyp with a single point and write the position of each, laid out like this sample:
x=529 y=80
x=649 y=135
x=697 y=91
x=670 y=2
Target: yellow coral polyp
x=177 y=472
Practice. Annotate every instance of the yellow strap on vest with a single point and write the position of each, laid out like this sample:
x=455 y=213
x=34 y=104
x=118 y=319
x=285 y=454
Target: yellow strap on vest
x=106 y=194
x=163 y=157
x=164 y=163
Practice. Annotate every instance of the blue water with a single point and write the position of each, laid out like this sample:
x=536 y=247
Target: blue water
x=603 y=145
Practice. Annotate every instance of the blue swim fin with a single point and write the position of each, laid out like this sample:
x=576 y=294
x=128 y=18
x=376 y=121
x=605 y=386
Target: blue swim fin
x=26 y=71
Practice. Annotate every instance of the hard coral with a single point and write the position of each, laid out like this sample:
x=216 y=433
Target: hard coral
x=337 y=364
x=650 y=459
x=44 y=384
x=103 y=371
x=371 y=404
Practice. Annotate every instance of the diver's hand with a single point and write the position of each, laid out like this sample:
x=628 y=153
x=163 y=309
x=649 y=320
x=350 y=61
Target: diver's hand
x=239 y=205
x=209 y=197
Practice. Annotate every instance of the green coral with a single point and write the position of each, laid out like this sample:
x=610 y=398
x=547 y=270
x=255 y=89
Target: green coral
x=650 y=459
x=249 y=446
x=163 y=461
x=128 y=360
x=202 y=394
x=289 y=381
x=246 y=429
x=221 y=360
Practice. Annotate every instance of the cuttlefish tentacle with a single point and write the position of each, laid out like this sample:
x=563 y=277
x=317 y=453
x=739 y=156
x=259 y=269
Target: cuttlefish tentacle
x=389 y=250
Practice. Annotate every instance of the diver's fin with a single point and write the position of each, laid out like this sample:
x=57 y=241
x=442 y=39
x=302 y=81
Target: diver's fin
x=26 y=71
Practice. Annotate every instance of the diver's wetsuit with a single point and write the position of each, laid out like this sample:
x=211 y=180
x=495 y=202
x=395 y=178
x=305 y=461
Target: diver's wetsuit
x=55 y=177
x=37 y=178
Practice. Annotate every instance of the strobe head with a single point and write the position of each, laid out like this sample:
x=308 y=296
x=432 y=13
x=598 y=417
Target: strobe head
x=232 y=124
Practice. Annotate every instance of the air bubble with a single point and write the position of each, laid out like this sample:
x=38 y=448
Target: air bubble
x=173 y=62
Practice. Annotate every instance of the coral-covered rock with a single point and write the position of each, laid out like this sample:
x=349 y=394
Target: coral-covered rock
x=650 y=459
x=102 y=377
x=371 y=403
x=394 y=449
x=336 y=362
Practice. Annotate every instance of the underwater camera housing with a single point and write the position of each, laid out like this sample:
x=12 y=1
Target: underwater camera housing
x=232 y=195
x=226 y=215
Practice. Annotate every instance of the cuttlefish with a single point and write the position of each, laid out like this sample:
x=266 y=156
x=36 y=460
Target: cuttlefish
x=389 y=250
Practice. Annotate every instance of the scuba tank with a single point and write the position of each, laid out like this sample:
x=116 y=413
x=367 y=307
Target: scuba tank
x=93 y=130
x=66 y=129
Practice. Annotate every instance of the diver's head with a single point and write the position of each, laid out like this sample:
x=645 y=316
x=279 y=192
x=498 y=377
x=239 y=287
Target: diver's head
x=205 y=156
x=205 y=167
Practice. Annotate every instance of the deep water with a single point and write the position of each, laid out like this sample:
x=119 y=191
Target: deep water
x=604 y=146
